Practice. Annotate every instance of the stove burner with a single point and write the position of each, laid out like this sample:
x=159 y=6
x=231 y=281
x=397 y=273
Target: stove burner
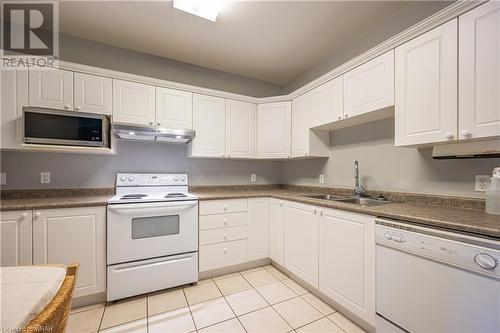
x=133 y=196
x=175 y=195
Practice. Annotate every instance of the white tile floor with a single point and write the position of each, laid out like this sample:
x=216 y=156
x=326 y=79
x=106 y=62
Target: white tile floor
x=258 y=300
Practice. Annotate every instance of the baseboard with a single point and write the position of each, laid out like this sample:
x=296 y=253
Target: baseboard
x=88 y=300
x=233 y=269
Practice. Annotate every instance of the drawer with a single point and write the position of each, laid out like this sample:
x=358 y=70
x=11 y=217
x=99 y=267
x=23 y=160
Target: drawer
x=223 y=206
x=223 y=235
x=223 y=220
x=222 y=254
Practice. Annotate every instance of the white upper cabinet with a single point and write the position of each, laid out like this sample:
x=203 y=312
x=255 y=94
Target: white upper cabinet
x=51 y=89
x=15 y=238
x=133 y=103
x=274 y=122
x=14 y=96
x=327 y=104
x=258 y=228
x=479 y=72
x=240 y=129
x=174 y=108
x=209 y=122
x=426 y=87
x=276 y=224
x=370 y=86
x=93 y=94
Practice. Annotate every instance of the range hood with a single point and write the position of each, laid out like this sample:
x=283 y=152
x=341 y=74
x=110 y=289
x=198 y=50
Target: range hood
x=125 y=132
x=468 y=149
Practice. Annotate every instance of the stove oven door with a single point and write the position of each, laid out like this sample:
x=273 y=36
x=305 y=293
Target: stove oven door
x=147 y=230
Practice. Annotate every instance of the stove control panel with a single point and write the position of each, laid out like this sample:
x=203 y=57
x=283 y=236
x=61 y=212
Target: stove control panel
x=151 y=179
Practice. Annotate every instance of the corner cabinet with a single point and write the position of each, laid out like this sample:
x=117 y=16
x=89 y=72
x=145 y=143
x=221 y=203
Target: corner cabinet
x=258 y=228
x=479 y=72
x=276 y=224
x=426 y=87
x=64 y=236
x=347 y=261
x=174 y=108
x=133 y=103
x=240 y=129
x=15 y=238
x=274 y=122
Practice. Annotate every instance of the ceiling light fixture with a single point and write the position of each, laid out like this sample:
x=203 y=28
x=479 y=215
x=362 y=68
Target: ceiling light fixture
x=207 y=9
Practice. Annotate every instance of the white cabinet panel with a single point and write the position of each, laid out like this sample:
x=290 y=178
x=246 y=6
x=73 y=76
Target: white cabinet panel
x=276 y=223
x=258 y=228
x=347 y=261
x=220 y=235
x=174 y=108
x=426 y=87
x=240 y=129
x=93 y=94
x=274 y=122
x=14 y=96
x=51 y=89
x=15 y=238
x=301 y=241
x=209 y=122
x=223 y=206
x=370 y=86
x=219 y=255
x=133 y=103
x=327 y=103
x=479 y=72
x=68 y=235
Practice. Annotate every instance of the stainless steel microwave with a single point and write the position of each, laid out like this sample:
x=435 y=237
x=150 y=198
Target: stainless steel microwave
x=68 y=128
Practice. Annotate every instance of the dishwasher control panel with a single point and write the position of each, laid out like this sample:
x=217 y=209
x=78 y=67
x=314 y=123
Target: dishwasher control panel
x=469 y=252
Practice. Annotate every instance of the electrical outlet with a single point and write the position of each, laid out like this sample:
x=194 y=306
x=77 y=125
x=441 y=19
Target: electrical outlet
x=321 y=179
x=3 y=178
x=253 y=177
x=44 y=177
x=482 y=182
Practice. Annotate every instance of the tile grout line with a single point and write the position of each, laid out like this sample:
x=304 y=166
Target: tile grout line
x=229 y=304
x=189 y=308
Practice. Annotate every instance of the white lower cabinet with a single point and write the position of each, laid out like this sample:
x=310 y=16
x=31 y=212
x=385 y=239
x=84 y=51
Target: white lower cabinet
x=15 y=238
x=224 y=254
x=73 y=235
x=258 y=228
x=347 y=261
x=276 y=223
x=301 y=241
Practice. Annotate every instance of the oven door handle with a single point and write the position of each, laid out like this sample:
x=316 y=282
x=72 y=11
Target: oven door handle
x=148 y=206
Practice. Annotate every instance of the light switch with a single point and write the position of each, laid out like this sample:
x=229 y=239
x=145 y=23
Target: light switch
x=253 y=177
x=44 y=177
x=3 y=178
x=321 y=179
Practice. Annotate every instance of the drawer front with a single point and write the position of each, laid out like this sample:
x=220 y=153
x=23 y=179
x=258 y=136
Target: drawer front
x=223 y=220
x=223 y=235
x=223 y=206
x=223 y=254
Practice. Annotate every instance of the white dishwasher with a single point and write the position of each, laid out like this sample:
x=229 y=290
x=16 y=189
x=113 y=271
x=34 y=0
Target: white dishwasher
x=431 y=281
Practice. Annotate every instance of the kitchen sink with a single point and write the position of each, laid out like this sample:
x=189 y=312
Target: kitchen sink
x=332 y=197
x=363 y=201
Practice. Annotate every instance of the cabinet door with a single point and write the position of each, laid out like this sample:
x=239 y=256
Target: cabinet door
x=327 y=103
x=14 y=95
x=133 y=103
x=174 y=108
x=479 y=72
x=64 y=236
x=240 y=129
x=276 y=219
x=274 y=125
x=426 y=87
x=15 y=232
x=93 y=94
x=370 y=86
x=258 y=228
x=51 y=89
x=347 y=261
x=209 y=122
x=300 y=125
x=301 y=241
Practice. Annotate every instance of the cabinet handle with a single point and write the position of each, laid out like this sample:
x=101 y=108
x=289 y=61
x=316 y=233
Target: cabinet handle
x=67 y=106
x=305 y=154
x=78 y=108
x=320 y=212
x=159 y=123
x=346 y=115
x=225 y=250
x=287 y=156
x=225 y=236
x=466 y=133
x=24 y=216
x=225 y=222
x=228 y=156
x=448 y=135
x=315 y=211
x=151 y=122
x=223 y=155
x=37 y=214
x=339 y=117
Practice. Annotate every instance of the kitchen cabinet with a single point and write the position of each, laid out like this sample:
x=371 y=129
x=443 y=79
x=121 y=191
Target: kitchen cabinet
x=174 y=108
x=258 y=228
x=301 y=241
x=276 y=232
x=133 y=103
x=426 y=87
x=274 y=130
x=327 y=103
x=369 y=87
x=479 y=72
x=306 y=142
x=93 y=94
x=14 y=96
x=67 y=235
x=209 y=122
x=15 y=232
x=347 y=261
x=51 y=89
x=240 y=129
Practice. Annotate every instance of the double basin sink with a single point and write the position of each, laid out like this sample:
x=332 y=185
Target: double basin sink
x=363 y=201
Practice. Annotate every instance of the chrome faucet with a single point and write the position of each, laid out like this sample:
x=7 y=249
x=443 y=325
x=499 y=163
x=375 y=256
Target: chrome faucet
x=359 y=190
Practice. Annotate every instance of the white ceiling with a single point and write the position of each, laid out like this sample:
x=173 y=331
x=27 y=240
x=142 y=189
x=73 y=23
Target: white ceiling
x=272 y=41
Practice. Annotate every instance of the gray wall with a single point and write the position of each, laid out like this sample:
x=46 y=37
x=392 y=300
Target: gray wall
x=77 y=170
x=385 y=167
x=91 y=53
